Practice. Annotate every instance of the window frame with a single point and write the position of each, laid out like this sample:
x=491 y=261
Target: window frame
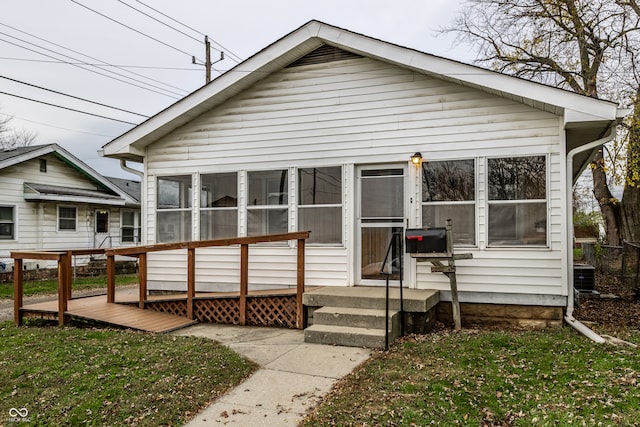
x=13 y=222
x=286 y=205
x=472 y=202
x=137 y=231
x=319 y=206
x=513 y=202
x=188 y=209
x=205 y=209
x=59 y=218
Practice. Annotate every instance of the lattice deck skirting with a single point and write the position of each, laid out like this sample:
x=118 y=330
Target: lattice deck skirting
x=274 y=310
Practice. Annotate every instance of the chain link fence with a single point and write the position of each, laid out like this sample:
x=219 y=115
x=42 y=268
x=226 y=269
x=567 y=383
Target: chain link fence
x=622 y=261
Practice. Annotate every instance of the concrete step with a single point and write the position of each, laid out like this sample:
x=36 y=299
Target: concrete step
x=369 y=297
x=355 y=317
x=346 y=336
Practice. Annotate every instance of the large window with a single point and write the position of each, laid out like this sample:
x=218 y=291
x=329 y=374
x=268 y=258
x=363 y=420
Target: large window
x=7 y=223
x=67 y=218
x=174 y=208
x=448 y=192
x=517 y=193
x=130 y=230
x=320 y=203
x=267 y=202
x=218 y=206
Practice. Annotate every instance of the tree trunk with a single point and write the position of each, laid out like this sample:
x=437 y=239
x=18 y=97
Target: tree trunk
x=630 y=208
x=609 y=206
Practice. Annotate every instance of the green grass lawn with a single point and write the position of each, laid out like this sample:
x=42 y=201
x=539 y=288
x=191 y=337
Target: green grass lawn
x=74 y=376
x=41 y=287
x=473 y=378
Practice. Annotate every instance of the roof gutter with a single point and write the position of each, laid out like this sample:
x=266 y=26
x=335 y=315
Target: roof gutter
x=571 y=321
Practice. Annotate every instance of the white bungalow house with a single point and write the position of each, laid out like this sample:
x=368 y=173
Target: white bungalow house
x=315 y=132
x=50 y=200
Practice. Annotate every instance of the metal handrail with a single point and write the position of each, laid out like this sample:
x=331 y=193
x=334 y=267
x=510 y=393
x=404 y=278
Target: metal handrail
x=394 y=237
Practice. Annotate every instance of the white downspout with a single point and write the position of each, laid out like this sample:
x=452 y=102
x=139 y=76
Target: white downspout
x=124 y=167
x=571 y=321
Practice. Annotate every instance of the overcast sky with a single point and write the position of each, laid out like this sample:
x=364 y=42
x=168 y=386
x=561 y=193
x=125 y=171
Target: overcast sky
x=35 y=36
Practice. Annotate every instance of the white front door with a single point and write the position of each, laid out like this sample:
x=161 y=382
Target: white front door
x=381 y=215
x=101 y=228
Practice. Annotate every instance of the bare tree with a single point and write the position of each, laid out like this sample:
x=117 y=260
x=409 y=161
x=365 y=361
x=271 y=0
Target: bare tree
x=587 y=46
x=11 y=138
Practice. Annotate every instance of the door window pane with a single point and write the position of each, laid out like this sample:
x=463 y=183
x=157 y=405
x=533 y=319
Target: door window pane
x=102 y=221
x=382 y=194
x=375 y=243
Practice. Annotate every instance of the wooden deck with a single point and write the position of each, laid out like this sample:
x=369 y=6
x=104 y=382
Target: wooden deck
x=98 y=309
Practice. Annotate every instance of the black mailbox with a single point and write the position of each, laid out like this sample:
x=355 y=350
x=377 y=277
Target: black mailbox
x=426 y=240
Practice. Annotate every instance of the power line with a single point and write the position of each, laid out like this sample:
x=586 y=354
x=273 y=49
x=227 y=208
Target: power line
x=91 y=57
x=149 y=67
x=237 y=59
x=57 y=127
x=157 y=20
x=72 y=96
x=67 y=108
x=177 y=95
x=131 y=28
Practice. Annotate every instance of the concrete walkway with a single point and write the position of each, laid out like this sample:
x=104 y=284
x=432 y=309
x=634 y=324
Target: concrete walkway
x=292 y=377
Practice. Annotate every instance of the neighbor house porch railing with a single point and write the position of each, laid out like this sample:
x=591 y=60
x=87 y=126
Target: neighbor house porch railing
x=141 y=253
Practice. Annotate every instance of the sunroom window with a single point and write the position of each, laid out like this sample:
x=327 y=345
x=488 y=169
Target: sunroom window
x=517 y=193
x=448 y=192
x=267 y=202
x=174 y=208
x=7 y=223
x=218 y=206
x=320 y=203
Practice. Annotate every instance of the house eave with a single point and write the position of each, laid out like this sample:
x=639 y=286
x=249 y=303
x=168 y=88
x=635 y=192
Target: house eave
x=72 y=199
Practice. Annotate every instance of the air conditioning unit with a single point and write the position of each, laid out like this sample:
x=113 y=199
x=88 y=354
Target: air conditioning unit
x=6 y=267
x=584 y=278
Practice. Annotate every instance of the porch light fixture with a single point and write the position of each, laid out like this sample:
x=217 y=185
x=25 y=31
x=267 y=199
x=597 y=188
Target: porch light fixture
x=416 y=159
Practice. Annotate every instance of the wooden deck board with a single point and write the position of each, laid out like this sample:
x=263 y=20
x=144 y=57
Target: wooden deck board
x=97 y=308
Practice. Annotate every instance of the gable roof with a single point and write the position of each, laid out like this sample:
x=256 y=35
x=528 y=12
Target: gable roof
x=586 y=118
x=108 y=190
x=129 y=186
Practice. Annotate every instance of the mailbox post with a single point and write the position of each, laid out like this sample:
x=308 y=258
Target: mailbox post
x=435 y=245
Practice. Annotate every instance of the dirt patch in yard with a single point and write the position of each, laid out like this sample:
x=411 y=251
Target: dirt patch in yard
x=616 y=309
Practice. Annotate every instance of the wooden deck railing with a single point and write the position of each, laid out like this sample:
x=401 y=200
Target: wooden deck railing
x=141 y=253
x=63 y=259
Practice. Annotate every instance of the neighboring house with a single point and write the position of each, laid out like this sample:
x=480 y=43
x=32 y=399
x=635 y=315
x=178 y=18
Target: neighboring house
x=51 y=200
x=315 y=132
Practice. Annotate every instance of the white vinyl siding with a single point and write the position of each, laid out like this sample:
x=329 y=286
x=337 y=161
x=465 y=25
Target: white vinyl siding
x=363 y=111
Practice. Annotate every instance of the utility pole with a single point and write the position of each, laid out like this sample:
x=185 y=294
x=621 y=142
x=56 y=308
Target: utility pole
x=207 y=59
